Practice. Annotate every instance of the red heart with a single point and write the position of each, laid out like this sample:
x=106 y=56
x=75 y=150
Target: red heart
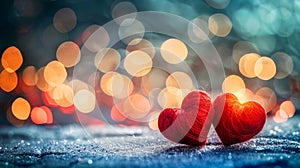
x=190 y=123
x=237 y=122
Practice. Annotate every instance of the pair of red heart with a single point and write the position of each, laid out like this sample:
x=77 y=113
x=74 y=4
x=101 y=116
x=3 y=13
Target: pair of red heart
x=234 y=122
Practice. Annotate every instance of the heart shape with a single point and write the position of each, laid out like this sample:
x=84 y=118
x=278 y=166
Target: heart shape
x=237 y=122
x=190 y=123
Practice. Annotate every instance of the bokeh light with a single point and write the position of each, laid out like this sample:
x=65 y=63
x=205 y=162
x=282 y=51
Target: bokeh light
x=265 y=68
x=85 y=101
x=232 y=84
x=153 y=121
x=288 y=108
x=247 y=64
x=171 y=97
x=21 y=108
x=8 y=81
x=268 y=98
x=68 y=53
x=173 y=51
x=284 y=64
x=142 y=45
x=64 y=20
x=138 y=63
x=107 y=59
x=121 y=9
x=241 y=48
x=180 y=80
x=219 y=24
x=29 y=76
x=136 y=106
x=55 y=73
x=38 y=115
x=218 y=4
x=96 y=38
x=11 y=59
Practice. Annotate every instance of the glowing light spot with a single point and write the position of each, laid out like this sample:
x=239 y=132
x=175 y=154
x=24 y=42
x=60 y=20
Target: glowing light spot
x=218 y=4
x=30 y=76
x=136 y=106
x=64 y=20
x=63 y=95
x=131 y=29
x=121 y=9
x=116 y=85
x=41 y=83
x=288 y=108
x=171 y=97
x=8 y=81
x=244 y=95
x=280 y=116
x=11 y=59
x=49 y=114
x=232 y=84
x=265 y=68
x=156 y=78
x=77 y=85
x=284 y=64
x=138 y=63
x=142 y=45
x=153 y=121
x=116 y=115
x=219 y=24
x=173 y=51
x=247 y=64
x=198 y=30
x=97 y=38
x=107 y=60
x=38 y=115
x=179 y=80
x=55 y=73
x=85 y=101
x=267 y=97
x=68 y=53
x=241 y=48
x=13 y=120
x=21 y=108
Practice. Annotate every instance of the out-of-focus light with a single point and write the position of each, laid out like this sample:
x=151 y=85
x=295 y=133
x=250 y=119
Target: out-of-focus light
x=11 y=59
x=241 y=48
x=280 y=116
x=142 y=45
x=29 y=76
x=8 y=81
x=12 y=119
x=77 y=85
x=153 y=121
x=267 y=97
x=179 y=80
x=288 y=108
x=49 y=114
x=156 y=78
x=116 y=85
x=173 y=51
x=265 y=68
x=232 y=84
x=21 y=108
x=131 y=29
x=198 y=30
x=121 y=9
x=96 y=37
x=218 y=4
x=247 y=64
x=136 y=106
x=85 y=101
x=138 y=63
x=41 y=83
x=68 y=53
x=55 y=73
x=107 y=60
x=64 y=20
x=116 y=115
x=63 y=95
x=38 y=115
x=244 y=95
x=171 y=97
x=219 y=24
x=284 y=64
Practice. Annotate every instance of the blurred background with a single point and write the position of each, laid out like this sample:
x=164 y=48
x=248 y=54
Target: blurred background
x=41 y=44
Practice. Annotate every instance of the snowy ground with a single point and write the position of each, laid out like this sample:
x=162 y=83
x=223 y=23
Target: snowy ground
x=69 y=146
